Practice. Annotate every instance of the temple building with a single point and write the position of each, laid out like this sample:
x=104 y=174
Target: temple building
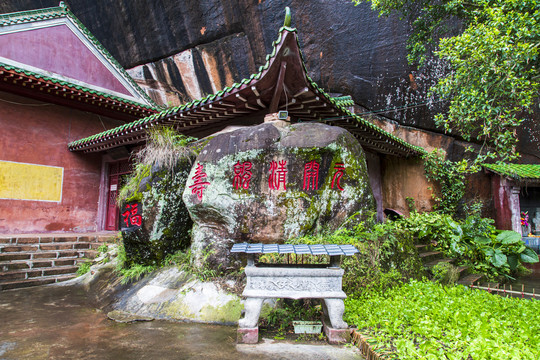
x=57 y=84
x=71 y=117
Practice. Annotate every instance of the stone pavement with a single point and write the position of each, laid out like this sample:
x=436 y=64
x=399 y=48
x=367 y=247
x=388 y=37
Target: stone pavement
x=290 y=350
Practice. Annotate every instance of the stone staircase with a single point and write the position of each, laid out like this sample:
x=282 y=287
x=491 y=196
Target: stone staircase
x=39 y=259
x=431 y=257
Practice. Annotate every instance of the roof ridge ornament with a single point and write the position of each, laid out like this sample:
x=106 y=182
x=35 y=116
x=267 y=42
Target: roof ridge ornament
x=287 y=22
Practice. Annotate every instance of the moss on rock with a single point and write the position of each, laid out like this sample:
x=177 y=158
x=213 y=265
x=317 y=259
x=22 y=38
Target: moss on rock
x=166 y=221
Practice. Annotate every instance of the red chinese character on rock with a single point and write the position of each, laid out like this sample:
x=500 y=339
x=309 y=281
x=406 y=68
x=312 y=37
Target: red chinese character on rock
x=311 y=175
x=339 y=167
x=131 y=216
x=242 y=175
x=278 y=175
x=198 y=182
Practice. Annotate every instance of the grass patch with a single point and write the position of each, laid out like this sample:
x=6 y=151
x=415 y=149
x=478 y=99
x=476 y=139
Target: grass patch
x=84 y=268
x=425 y=320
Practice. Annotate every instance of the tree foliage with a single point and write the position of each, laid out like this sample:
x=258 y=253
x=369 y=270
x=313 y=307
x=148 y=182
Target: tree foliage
x=493 y=83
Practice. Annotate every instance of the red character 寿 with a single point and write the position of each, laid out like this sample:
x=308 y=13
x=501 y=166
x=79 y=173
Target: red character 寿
x=242 y=175
x=278 y=175
x=339 y=167
x=199 y=185
x=311 y=175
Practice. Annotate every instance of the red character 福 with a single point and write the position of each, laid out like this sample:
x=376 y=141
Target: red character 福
x=339 y=167
x=131 y=216
x=278 y=175
x=311 y=175
x=242 y=175
x=198 y=182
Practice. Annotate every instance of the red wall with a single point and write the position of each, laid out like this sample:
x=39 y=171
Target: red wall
x=58 y=50
x=39 y=135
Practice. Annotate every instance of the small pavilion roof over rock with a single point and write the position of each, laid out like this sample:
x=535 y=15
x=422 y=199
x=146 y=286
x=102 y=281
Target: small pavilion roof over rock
x=282 y=83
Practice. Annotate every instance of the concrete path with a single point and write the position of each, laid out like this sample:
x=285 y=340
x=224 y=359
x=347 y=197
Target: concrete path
x=289 y=350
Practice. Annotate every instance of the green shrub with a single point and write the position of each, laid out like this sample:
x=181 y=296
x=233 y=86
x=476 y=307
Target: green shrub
x=473 y=241
x=445 y=273
x=450 y=176
x=84 y=268
x=386 y=257
x=425 y=320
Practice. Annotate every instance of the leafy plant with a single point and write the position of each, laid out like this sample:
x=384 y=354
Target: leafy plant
x=425 y=320
x=445 y=273
x=473 y=241
x=164 y=146
x=386 y=257
x=130 y=271
x=103 y=248
x=450 y=176
x=84 y=268
x=491 y=50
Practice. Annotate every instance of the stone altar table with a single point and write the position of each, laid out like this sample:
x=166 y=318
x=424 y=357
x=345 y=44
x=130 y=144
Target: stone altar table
x=294 y=281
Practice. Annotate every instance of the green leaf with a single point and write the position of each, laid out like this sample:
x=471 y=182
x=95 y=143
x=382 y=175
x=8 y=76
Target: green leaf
x=498 y=259
x=513 y=261
x=483 y=240
x=529 y=256
x=509 y=237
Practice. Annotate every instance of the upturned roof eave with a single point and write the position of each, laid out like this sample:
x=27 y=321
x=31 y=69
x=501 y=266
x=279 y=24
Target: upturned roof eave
x=51 y=89
x=313 y=104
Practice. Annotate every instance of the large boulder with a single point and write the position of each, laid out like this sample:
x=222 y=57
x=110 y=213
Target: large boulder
x=272 y=182
x=164 y=224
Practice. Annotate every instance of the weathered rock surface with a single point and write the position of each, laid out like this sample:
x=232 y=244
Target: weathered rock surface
x=165 y=294
x=188 y=48
x=271 y=182
x=165 y=221
x=181 y=50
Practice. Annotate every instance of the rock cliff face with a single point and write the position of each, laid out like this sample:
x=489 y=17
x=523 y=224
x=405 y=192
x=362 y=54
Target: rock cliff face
x=182 y=50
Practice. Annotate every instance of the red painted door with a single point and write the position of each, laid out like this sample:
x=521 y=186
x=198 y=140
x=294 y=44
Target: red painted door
x=117 y=173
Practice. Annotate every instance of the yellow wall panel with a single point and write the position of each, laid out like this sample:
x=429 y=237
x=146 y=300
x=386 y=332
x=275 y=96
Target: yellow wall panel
x=30 y=182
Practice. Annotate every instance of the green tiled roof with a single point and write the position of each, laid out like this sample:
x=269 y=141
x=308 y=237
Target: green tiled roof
x=74 y=86
x=63 y=11
x=516 y=171
x=337 y=102
x=344 y=100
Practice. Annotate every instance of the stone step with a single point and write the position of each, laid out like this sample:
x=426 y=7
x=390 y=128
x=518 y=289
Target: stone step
x=16 y=284
x=38 y=263
x=31 y=260
x=432 y=263
x=428 y=256
x=470 y=279
x=424 y=248
x=37 y=272
x=463 y=271
x=10 y=257
x=47 y=247
x=37 y=239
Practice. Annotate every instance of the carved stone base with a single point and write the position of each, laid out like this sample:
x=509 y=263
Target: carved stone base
x=336 y=336
x=293 y=283
x=247 y=335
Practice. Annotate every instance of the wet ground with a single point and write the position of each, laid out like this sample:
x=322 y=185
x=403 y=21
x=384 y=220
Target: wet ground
x=58 y=322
